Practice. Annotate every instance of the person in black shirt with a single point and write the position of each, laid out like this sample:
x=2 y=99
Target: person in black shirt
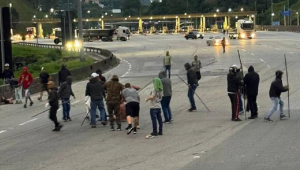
x=251 y=81
x=53 y=102
x=193 y=84
x=275 y=91
x=63 y=74
x=44 y=78
x=7 y=74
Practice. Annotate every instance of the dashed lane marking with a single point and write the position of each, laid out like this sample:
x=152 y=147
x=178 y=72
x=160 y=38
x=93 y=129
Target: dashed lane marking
x=252 y=54
x=244 y=50
x=28 y=121
x=291 y=53
x=268 y=66
x=2 y=131
x=261 y=60
x=277 y=48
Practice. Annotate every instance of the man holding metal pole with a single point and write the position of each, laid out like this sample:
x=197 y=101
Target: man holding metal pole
x=275 y=91
x=53 y=102
x=193 y=84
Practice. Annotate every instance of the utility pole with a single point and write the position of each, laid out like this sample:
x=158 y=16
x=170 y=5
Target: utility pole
x=284 y=17
x=2 y=41
x=70 y=22
x=272 y=13
x=80 y=28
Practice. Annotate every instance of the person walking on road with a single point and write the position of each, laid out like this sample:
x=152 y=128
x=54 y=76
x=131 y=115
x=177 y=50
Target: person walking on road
x=103 y=79
x=275 y=91
x=251 y=82
x=223 y=42
x=193 y=84
x=95 y=90
x=26 y=80
x=155 y=109
x=132 y=106
x=63 y=74
x=65 y=91
x=7 y=74
x=196 y=65
x=167 y=95
x=233 y=84
x=44 y=78
x=113 y=100
x=53 y=102
x=167 y=63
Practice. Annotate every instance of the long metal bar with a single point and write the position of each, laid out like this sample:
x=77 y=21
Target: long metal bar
x=244 y=86
x=287 y=79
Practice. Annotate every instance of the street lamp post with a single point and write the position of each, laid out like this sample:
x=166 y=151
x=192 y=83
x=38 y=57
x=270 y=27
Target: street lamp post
x=272 y=15
x=88 y=17
x=11 y=29
x=242 y=9
x=80 y=28
x=297 y=13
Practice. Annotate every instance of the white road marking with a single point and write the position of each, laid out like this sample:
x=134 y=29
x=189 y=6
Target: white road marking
x=2 y=131
x=195 y=157
x=252 y=54
x=291 y=53
x=28 y=121
x=244 y=50
x=75 y=102
x=268 y=66
x=277 y=48
x=261 y=60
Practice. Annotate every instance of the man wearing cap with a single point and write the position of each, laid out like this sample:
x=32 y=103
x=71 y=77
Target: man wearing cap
x=26 y=79
x=275 y=91
x=113 y=100
x=94 y=89
x=53 y=102
x=7 y=74
x=44 y=78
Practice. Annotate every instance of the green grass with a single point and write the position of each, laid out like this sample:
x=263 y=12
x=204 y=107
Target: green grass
x=50 y=66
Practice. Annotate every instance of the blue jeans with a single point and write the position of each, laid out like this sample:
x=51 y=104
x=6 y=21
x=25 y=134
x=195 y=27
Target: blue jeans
x=191 y=93
x=66 y=108
x=276 y=101
x=165 y=105
x=241 y=108
x=155 y=114
x=94 y=105
x=168 y=68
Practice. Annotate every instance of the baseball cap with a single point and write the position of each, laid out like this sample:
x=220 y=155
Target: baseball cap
x=6 y=65
x=95 y=75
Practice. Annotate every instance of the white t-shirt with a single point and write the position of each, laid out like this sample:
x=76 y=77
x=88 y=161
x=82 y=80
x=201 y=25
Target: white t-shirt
x=155 y=102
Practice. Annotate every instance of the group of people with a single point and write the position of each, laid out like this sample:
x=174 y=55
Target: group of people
x=238 y=84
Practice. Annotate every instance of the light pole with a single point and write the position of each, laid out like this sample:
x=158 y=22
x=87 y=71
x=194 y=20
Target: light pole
x=297 y=13
x=217 y=10
x=229 y=10
x=272 y=15
x=242 y=9
x=88 y=17
x=80 y=28
x=11 y=28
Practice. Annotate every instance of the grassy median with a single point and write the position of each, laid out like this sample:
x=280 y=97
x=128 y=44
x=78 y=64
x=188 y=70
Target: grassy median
x=51 y=59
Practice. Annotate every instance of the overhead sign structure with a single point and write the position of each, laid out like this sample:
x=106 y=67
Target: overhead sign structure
x=286 y=13
x=116 y=11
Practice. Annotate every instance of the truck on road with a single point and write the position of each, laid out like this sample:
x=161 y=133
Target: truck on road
x=244 y=28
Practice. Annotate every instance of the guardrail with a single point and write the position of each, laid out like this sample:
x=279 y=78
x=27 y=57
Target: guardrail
x=95 y=50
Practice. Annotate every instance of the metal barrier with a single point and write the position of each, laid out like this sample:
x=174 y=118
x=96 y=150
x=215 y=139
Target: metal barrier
x=94 y=50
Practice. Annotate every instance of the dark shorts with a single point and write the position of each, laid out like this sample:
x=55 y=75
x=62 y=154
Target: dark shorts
x=132 y=109
x=44 y=87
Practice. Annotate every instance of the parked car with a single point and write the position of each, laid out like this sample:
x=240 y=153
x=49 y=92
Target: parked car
x=193 y=35
x=215 y=41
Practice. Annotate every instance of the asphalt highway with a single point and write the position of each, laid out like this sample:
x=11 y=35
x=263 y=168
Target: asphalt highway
x=197 y=140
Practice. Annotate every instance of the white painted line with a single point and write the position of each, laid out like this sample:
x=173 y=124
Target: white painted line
x=252 y=54
x=268 y=66
x=262 y=60
x=277 y=48
x=75 y=102
x=291 y=53
x=196 y=157
x=244 y=50
x=2 y=131
x=28 y=121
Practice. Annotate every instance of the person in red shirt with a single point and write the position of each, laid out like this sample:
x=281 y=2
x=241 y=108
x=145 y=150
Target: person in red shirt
x=25 y=80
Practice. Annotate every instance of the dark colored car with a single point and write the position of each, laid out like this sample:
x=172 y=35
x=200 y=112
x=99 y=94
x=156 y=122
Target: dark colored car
x=194 y=35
